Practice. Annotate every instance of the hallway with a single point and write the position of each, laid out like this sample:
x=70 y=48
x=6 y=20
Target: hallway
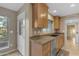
x=72 y=48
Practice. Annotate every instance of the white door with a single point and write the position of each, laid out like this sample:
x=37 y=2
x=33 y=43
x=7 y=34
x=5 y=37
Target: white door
x=21 y=33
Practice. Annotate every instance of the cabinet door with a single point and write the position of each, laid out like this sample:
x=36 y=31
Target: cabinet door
x=40 y=15
x=43 y=15
x=34 y=15
x=60 y=42
x=56 y=22
x=46 y=49
x=36 y=49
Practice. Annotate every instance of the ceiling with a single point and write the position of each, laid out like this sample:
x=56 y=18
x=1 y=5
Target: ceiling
x=63 y=9
x=12 y=6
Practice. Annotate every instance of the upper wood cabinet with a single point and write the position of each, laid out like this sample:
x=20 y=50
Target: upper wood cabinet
x=56 y=22
x=40 y=15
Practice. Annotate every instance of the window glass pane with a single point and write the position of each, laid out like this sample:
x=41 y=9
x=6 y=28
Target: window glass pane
x=20 y=25
x=3 y=31
x=49 y=28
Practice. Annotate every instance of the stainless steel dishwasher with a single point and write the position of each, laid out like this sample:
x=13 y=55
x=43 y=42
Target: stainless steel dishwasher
x=53 y=47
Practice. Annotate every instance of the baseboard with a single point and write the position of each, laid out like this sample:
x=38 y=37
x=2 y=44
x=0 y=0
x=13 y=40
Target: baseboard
x=2 y=54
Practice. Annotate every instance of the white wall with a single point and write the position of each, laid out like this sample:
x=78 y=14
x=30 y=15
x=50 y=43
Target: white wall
x=69 y=20
x=12 y=26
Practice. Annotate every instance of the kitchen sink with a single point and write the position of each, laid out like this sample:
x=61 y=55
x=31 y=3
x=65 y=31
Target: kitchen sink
x=54 y=35
x=57 y=33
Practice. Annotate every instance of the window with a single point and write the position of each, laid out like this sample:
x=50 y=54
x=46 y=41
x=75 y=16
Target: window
x=49 y=28
x=3 y=32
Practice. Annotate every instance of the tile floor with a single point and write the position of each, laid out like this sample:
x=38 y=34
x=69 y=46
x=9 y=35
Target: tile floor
x=13 y=54
x=72 y=47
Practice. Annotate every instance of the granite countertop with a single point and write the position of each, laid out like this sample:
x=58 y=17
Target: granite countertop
x=41 y=39
x=47 y=34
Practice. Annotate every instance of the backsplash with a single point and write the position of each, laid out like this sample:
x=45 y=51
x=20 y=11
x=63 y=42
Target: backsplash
x=36 y=31
x=40 y=31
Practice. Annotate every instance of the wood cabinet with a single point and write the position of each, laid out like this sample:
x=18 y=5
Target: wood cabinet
x=60 y=42
x=40 y=15
x=56 y=23
x=46 y=47
x=40 y=50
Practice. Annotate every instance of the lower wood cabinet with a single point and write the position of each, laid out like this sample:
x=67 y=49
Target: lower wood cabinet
x=59 y=42
x=40 y=49
x=44 y=49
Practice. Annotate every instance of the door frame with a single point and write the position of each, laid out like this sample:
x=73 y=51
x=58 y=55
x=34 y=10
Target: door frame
x=20 y=17
x=8 y=33
x=73 y=23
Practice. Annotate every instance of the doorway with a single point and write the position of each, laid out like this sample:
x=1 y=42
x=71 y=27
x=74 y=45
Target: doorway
x=21 y=29
x=72 y=35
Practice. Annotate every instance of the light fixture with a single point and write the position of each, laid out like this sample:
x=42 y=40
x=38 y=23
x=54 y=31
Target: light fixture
x=54 y=11
x=72 y=5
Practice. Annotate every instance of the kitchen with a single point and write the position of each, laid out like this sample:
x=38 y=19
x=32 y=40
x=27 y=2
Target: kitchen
x=47 y=39
x=45 y=30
